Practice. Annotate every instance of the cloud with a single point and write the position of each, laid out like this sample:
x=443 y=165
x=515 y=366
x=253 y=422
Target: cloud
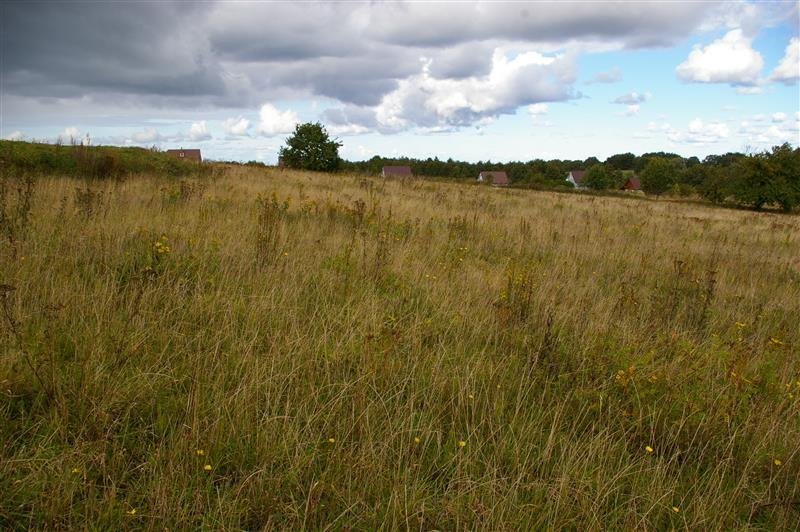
x=765 y=135
x=70 y=134
x=632 y=98
x=522 y=79
x=632 y=110
x=234 y=55
x=15 y=135
x=199 y=131
x=538 y=109
x=148 y=135
x=629 y=25
x=273 y=121
x=428 y=104
x=729 y=59
x=70 y=49
x=699 y=132
x=612 y=76
x=778 y=117
x=236 y=127
x=754 y=89
x=788 y=70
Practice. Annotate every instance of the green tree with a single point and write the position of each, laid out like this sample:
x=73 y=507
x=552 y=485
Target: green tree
x=622 y=161
x=769 y=178
x=658 y=174
x=601 y=177
x=786 y=165
x=310 y=148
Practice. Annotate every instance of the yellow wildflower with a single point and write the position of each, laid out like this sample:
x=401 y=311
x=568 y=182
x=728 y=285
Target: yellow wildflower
x=207 y=467
x=331 y=440
x=676 y=509
x=648 y=449
x=462 y=443
x=132 y=511
x=777 y=462
x=416 y=440
x=75 y=470
x=200 y=452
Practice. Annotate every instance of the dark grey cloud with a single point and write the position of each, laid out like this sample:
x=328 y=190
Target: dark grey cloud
x=446 y=24
x=68 y=49
x=459 y=62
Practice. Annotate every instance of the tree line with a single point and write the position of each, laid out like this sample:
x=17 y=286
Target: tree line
x=766 y=179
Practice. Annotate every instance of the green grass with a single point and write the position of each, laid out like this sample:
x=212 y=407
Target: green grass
x=328 y=341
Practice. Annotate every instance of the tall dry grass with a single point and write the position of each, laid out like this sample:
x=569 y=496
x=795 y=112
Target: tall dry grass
x=284 y=350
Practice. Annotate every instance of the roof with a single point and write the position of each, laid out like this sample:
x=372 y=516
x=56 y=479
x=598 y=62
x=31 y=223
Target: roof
x=578 y=175
x=499 y=178
x=192 y=154
x=396 y=170
x=632 y=183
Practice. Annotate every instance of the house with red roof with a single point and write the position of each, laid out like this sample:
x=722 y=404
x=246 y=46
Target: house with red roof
x=632 y=183
x=186 y=155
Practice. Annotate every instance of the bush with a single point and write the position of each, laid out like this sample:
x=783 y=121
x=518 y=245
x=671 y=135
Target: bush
x=658 y=174
x=602 y=177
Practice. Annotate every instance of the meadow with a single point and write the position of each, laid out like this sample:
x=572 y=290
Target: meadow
x=265 y=349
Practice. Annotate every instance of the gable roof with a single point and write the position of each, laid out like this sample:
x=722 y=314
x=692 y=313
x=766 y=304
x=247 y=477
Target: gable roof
x=192 y=155
x=396 y=170
x=578 y=175
x=497 y=177
x=632 y=183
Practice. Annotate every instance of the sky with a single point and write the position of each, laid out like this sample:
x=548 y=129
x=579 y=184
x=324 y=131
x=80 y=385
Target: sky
x=475 y=81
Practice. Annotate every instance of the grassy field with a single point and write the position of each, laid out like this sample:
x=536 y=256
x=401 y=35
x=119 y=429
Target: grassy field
x=265 y=349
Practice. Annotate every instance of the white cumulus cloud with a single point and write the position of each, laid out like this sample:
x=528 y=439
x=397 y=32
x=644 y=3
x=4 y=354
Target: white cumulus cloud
x=69 y=134
x=778 y=117
x=146 y=136
x=15 y=135
x=788 y=70
x=273 y=121
x=538 y=109
x=236 y=127
x=199 y=131
x=730 y=59
x=699 y=132
x=527 y=78
x=751 y=89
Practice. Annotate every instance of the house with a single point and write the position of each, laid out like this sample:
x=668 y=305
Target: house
x=495 y=178
x=632 y=183
x=186 y=155
x=577 y=178
x=400 y=172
